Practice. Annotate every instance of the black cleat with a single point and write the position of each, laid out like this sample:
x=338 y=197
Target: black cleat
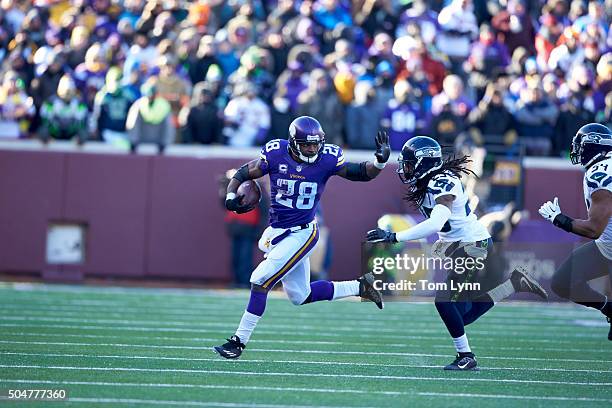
x=463 y=362
x=232 y=349
x=522 y=282
x=367 y=290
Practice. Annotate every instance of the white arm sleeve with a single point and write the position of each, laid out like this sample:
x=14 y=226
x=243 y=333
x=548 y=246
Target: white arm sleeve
x=439 y=215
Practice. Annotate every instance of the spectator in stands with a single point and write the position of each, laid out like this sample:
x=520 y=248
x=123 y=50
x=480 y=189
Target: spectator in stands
x=171 y=86
x=247 y=117
x=514 y=27
x=604 y=116
x=562 y=57
x=375 y=15
x=110 y=110
x=321 y=101
x=362 y=119
x=200 y=121
x=18 y=62
x=205 y=57
x=547 y=37
x=13 y=14
x=425 y=18
x=491 y=119
x=383 y=83
x=45 y=85
x=16 y=107
x=487 y=57
x=64 y=115
x=254 y=68
x=421 y=67
x=458 y=29
x=150 y=119
x=452 y=95
x=595 y=16
x=382 y=49
x=330 y=13
x=536 y=117
x=404 y=117
x=604 y=74
x=289 y=85
x=91 y=74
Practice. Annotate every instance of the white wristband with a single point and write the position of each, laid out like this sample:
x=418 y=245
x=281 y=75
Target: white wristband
x=230 y=196
x=378 y=165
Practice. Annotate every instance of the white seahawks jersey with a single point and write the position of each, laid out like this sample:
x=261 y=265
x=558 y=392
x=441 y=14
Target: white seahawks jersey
x=463 y=225
x=599 y=177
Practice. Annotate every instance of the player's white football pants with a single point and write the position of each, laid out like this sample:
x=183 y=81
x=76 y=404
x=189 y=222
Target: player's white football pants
x=287 y=261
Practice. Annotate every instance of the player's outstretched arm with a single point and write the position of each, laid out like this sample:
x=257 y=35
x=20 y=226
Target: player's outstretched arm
x=368 y=170
x=438 y=217
x=249 y=171
x=599 y=215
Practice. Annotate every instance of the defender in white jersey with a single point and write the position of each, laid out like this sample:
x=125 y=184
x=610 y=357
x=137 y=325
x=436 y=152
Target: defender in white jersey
x=591 y=148
x=436 y=189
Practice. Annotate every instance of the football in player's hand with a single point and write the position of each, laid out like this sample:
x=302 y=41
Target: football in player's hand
x=251 y=191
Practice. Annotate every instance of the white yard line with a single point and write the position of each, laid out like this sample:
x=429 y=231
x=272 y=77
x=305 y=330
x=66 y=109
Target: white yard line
x=313 y=375
x=537 y=331
x=505 y=396
x=395 y=309
x=339 y=363
x=208 y=386
x=259 y=350
x=194 y=403
x=307 y=390
x=372 y=321
x=444 y=342
x=264 y=331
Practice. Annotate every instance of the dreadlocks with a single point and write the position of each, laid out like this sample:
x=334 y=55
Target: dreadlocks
x=457 y=166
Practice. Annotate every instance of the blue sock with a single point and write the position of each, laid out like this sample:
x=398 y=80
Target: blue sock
x=320 y=290
x=257 y=303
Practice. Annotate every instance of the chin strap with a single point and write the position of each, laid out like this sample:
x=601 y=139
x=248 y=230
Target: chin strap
x=307 y=159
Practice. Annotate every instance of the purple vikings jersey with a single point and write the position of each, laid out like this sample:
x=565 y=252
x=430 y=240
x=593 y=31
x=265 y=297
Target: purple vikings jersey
x=402 y=121
x=296 y=188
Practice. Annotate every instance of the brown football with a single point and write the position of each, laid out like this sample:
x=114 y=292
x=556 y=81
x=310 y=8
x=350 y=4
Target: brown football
x=251 y=191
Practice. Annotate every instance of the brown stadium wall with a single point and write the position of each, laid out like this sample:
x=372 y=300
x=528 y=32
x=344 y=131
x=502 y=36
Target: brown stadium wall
x=151 y=216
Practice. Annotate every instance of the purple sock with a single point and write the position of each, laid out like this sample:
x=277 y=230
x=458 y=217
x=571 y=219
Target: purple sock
x=257 y=303
x=321 y=290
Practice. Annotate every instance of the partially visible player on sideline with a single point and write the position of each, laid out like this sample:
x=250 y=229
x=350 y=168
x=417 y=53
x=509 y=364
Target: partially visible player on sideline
x=591 y=148
x=436 y=189
x=299 y=169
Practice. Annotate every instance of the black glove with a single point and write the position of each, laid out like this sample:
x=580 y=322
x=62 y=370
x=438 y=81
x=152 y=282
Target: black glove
x=380 y=235
x=383 y=151
x=234 y=205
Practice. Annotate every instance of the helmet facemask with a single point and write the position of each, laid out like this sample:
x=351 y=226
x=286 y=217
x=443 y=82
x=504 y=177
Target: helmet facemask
x=590 y=148
x=295 y=147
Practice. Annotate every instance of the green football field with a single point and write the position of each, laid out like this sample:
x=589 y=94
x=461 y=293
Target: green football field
x=117 y=347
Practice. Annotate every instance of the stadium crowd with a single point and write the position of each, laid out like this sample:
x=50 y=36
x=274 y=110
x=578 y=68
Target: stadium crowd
x=237 y=72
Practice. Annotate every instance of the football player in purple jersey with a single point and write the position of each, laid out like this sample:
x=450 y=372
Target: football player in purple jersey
x=298 y=169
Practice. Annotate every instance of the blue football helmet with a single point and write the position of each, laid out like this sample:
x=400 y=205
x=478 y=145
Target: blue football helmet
x=306 y=130
x=591 y=144
x=420 y=156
